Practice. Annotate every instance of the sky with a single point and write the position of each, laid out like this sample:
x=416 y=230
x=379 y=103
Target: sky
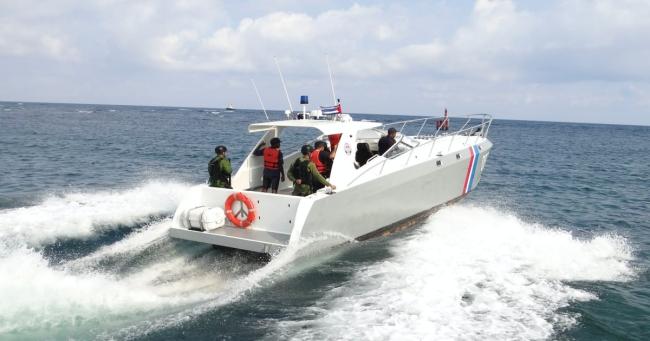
x=555 y=60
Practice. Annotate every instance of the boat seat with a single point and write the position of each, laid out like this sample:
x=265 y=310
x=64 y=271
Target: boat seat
x=363 y=153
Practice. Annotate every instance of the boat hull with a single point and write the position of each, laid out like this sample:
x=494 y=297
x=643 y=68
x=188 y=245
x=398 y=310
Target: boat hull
x=386 y=200
x=397 y=199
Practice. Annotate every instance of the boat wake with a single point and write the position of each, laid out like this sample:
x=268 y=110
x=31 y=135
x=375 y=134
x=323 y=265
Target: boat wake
x=98 y=291
x=468 y=273
x=141 y=282
x=83 y=215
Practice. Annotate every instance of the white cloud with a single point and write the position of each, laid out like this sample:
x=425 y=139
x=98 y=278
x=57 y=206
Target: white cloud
x=298 y=36
x=494 y=53
x=19 y=40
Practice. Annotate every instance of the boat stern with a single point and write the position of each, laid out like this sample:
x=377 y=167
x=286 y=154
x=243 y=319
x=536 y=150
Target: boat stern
x=270 y=218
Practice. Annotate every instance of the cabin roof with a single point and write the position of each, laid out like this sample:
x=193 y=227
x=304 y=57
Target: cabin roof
x=325 y=126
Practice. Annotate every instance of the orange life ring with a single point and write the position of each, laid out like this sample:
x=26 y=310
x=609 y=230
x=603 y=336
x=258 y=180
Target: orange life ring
x=250 y=216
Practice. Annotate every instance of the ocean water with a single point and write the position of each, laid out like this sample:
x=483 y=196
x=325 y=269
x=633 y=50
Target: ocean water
x=553 y=244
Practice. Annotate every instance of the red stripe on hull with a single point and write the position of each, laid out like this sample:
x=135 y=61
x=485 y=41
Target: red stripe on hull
x=469 y=169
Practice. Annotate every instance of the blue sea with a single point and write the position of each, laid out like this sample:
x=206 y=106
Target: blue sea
x=554 y=243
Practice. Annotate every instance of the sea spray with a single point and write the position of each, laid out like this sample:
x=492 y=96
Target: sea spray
x=36 y=295
x=468 y=273
x=81 y=215
x=307 y=254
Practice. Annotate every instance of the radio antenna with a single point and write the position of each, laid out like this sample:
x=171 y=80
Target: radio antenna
x=260 y=99
x=283 y=83
x=329 y=70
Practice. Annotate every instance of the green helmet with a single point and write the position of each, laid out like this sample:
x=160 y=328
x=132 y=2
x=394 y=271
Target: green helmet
x=220 y=150
x=306 y=149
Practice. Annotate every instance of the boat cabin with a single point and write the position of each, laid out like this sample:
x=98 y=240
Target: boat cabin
x=354 y=142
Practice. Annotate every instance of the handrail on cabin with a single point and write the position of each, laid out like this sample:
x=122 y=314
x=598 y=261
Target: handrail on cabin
x=425 y=120
x=483 y=128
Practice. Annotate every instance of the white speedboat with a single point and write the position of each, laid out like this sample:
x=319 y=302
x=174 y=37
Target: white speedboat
x=375 y=194
x=230 y=107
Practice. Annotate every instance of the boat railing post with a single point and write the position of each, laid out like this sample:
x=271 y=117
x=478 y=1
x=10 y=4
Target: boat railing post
x=483 y=127
x=409 y=157
x=451 y=142
x=489 y=124
x=469 y=118
x=435 y=135
x=381 y=169
x=469 y=133
x=421 y=127
x=433 y=143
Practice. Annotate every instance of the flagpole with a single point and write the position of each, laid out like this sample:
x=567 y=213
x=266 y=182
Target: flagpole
x=260 y=99
x=329 y=70
x=283 y=83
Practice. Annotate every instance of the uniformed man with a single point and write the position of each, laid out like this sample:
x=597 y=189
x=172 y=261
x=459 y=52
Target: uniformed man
x=273 y=165
x=303 y=173
x=322 y=159
x=220 y=169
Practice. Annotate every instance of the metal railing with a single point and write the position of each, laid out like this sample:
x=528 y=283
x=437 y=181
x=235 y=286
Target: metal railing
x=468 y=129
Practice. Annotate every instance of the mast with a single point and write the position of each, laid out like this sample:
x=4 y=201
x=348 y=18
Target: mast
x=260 y=99
x=329 y=70
x=283 y=83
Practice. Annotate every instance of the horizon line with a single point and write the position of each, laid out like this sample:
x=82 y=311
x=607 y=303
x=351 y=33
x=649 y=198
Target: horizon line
x=353 y=113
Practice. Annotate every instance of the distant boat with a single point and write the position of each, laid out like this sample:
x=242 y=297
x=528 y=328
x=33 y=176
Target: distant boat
x=230 y=108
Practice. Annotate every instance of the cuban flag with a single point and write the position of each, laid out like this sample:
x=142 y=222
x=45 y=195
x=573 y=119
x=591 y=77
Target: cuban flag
x=335 y=109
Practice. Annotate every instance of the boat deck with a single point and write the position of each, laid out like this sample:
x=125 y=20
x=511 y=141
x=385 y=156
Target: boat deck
x=283 y=191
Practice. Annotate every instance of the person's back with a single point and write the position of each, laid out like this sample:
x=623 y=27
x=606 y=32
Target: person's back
x=303 y=178
x=304 y=174
x=273 y=165
x=316 y=158
x=219 y=169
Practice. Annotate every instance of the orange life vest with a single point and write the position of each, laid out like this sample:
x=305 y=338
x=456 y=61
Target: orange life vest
x=319 y=165
x=271 y=158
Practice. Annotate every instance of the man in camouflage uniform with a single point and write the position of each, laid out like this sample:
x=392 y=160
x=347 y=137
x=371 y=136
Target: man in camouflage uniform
x=220 y=169
x=303 y=173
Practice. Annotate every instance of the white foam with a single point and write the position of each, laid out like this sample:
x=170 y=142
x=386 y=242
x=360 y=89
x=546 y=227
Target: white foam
x=33 y=295
x=469 y=273
x=130 y=246
x=93 y=294
x=36 y=296
x=80 y=215
x=305 y=254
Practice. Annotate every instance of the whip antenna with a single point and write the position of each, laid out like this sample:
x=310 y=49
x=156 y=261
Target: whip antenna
x=283 y=83
x=260 y=99
x=329 y=70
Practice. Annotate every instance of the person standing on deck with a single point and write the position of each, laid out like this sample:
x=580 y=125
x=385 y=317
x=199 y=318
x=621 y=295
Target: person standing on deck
x=220 y=169
x=273 y=165
x=303 y=173
x=322 y=159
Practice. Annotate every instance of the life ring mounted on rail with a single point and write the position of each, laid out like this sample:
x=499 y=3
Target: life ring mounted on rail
x=243 y=217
